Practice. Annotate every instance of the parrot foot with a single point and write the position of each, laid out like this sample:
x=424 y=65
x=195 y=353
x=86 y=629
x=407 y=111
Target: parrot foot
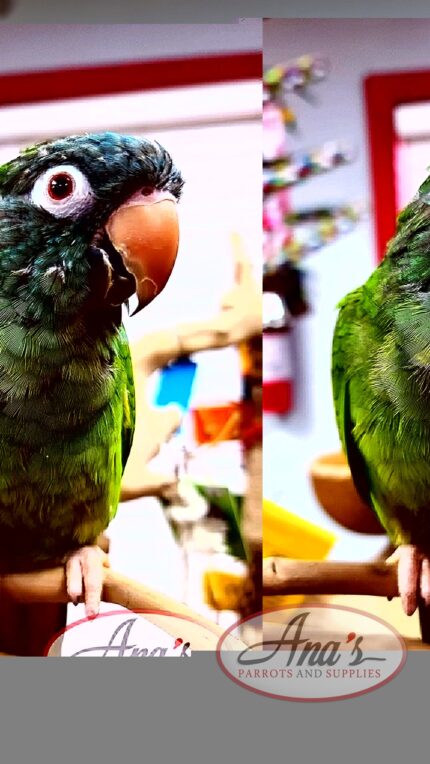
x=84 y=577
x=413 y=577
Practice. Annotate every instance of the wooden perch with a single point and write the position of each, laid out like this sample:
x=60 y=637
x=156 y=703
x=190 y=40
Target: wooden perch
x=285 y=576
x=48 y=586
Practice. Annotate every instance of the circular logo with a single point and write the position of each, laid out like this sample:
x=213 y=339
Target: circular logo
x=307 y=654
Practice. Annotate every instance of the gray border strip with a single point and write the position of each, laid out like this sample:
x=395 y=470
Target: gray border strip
x=194 y=11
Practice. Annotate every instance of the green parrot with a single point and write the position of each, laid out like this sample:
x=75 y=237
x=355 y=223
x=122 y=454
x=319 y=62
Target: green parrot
x=85 y=222
x=381 y=386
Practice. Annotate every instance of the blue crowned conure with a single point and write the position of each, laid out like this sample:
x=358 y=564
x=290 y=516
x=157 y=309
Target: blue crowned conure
x=381 y=383
x=85 y=222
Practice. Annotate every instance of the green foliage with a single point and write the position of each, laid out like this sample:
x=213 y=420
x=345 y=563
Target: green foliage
x=230 y=507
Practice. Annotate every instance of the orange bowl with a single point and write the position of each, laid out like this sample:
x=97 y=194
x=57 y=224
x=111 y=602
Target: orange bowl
x=334 y=488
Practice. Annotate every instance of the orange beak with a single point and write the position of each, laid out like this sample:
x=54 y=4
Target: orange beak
x=145 y=232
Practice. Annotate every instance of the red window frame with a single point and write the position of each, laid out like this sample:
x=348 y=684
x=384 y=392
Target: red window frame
x=383 y=93
x=97 y=80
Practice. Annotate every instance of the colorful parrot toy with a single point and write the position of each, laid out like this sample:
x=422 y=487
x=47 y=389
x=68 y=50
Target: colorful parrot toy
x=85 y=222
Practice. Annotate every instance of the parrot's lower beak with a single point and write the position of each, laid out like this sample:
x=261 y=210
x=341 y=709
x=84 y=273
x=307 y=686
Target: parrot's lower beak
x=145 y=232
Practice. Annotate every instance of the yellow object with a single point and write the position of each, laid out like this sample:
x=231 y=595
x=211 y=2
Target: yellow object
x=245 y=358
x=287 y=535
x=223 y=591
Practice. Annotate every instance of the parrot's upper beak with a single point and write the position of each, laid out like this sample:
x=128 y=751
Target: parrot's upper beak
x=145 y=232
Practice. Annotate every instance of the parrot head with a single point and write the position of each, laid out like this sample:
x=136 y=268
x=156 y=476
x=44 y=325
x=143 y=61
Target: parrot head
x=88 y=218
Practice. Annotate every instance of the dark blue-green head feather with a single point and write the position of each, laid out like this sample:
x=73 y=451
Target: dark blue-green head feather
x=57 y=202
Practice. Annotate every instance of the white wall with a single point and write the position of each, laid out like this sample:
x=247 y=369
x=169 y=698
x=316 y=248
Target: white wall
x=355 y=48
x=43 y=46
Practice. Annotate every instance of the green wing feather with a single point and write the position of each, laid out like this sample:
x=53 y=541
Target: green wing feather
x=342 y=395
x=356 y=333
x=383 y=428
x=129 y=397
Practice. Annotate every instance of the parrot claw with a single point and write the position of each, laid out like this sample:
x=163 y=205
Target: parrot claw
x=413 y=577
x=84 y=577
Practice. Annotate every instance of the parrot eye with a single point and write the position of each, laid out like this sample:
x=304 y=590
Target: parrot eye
x=63 y=191
x=61 y=186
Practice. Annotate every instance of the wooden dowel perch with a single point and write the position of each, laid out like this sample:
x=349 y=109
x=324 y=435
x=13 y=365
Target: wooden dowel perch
x=286 y=576
x=49 y=586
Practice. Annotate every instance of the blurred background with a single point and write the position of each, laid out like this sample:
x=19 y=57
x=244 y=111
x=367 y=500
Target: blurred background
x=346 y=144
x=197 y=90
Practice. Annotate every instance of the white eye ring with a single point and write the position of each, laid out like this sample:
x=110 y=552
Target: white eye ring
x=72 y=203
